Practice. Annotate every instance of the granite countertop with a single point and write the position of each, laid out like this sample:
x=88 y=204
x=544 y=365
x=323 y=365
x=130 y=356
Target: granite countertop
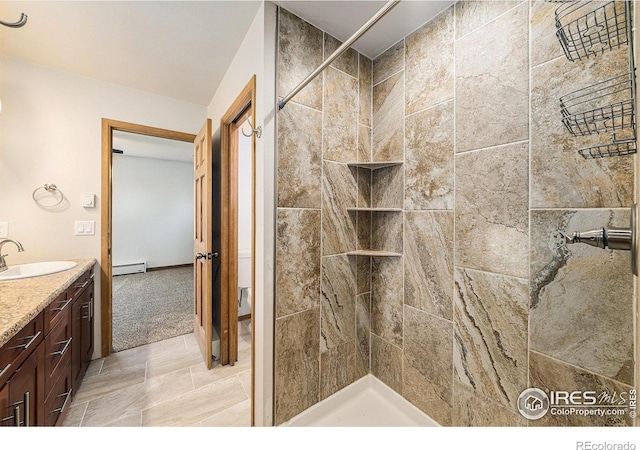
x=22 y=300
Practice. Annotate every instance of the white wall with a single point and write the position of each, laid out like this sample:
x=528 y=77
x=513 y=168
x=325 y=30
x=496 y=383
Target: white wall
x=256 y=56
x=152 y=211
x=50 y=132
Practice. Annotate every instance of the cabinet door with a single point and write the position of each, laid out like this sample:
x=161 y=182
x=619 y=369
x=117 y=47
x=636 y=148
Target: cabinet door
x=8 y=414
x=26 y=388
x=82 y=332
x=87 y=327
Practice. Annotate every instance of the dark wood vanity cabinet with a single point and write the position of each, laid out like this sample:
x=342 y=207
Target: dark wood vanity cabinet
x=43 y=364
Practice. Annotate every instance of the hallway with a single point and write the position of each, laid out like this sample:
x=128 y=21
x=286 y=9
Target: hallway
x=165 y=384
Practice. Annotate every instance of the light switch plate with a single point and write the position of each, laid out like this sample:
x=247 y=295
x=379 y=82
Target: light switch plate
x=84 y=228
x=4 y=230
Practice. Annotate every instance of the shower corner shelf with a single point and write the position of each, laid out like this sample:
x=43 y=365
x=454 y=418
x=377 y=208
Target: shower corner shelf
x=375 y=165
x=374 y=253
x=382 y=210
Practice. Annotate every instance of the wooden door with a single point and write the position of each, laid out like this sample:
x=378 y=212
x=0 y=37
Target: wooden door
x=202 y=245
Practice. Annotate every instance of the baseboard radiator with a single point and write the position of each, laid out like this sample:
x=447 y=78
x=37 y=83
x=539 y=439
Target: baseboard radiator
x=125 y=269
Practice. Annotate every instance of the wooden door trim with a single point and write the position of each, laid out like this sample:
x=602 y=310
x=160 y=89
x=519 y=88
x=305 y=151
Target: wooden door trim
x=108 y=127
x=229 y=192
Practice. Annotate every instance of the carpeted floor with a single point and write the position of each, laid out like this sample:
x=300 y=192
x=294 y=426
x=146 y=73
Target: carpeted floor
x=153 y=306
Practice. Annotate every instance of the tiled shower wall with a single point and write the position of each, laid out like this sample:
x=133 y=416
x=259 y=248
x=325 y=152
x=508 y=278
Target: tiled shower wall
x=486 y=300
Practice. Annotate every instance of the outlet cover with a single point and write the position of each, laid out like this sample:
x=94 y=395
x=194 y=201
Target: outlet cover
x=4 y=230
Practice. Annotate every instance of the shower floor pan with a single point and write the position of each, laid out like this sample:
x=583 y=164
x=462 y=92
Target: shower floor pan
x=366 y=403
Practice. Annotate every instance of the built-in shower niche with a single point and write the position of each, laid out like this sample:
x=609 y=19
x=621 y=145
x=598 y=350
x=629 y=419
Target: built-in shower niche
x=379 y=210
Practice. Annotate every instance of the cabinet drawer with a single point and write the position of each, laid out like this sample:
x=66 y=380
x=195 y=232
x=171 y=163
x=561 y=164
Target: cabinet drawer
x=81 y=283
x=14 y=352
x=57 y=403
x=57 y=352
x=56 y=309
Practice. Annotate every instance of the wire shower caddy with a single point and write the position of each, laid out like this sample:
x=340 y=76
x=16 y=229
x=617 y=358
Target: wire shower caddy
x=607 y=106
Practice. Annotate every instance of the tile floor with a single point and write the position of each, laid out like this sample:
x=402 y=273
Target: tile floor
x=165 y=384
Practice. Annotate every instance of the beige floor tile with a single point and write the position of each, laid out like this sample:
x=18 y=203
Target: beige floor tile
x=144 y=353
x=134 y=399
x=106 y=383
x=132 y=420
x=237 y=416
x=94 y=368
x=195 y=406
x=184 y=359
x=74 y=417
x=245 y=379
x=190 y=340
x=202 y=376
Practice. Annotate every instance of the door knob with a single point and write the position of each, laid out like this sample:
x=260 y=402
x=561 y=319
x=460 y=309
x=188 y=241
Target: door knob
x=207 y=255
x=200 y=255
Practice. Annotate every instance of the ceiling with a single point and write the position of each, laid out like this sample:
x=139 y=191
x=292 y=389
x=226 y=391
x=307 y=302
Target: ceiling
x=178 y=49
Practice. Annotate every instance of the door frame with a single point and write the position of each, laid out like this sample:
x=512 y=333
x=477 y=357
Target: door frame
x=246 y=100
x=106 y=244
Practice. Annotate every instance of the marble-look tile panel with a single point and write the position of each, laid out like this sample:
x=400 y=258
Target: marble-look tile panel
x=386 y=231
x=470 y=410
x=363 y=230
x=386 y=299
x=429 y=63
x=297 y=361
x=428 y=365
x=299 y=157
x=492 y=82
x=298 y=260
x=492 y=214
x=337 y=368
x=338 y=301
x=388 y=63
x=364 y=188
x=550 y=374
x=490 y=334
x=544 y=42
x=347 y=62
x=428 y=262
x=386 y=363
x=365 y=81
x=387 y=187
x=363 y=334
x=363 y=274
x=472 y=14
x=300 y=52
x=339 y=192
x=340 y=121
x=429 y=156
x=388 y=115
x=581 y=296
x=364 y=143
x=560 y=177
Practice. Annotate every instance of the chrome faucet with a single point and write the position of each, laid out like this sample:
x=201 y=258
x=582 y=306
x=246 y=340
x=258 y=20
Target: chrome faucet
x=3 y=264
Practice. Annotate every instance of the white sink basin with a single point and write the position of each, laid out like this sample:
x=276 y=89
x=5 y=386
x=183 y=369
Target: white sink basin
x=35 y=269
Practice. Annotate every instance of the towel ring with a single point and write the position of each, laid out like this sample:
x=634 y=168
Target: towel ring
x=50 y=188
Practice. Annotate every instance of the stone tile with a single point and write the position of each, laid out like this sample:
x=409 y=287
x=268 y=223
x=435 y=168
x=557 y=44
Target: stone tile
x=581 y=296
x=428 y=364
x=109 y=382
x=470 y=410
x=363 y=334
x=337 y=305
x=185 y=358
x=492 y=82
x=75 y=415
x=560 y=177
x=245 y=378
x=347 y=62
x=365 y=81
x=428 y=262
x=429 y=159
x=339 y=192
x=387 y=187
x=236 y=416
x=388 y=63
x=298 y=260
x=363 y=230
x=387 y=231
x=134 y=399
x=551 y=375
x=472 y=14
x=337 y=368
x=364 y=187
x=201 y=376
x=299 y=157
x=131 y=421
x=492 y=216
x=297 y=361
x=161 y=350
x=363 y=264
x=300 y=47
x=364 y=143
x=490 y=333
x=429 y=63
x=544 y=43
x=386 y=299
x=388 y=115
x=340 y=121
x=386 y=363
x=196 y=405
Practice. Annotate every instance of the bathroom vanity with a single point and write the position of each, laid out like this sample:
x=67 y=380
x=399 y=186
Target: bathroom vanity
x=46 y=344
